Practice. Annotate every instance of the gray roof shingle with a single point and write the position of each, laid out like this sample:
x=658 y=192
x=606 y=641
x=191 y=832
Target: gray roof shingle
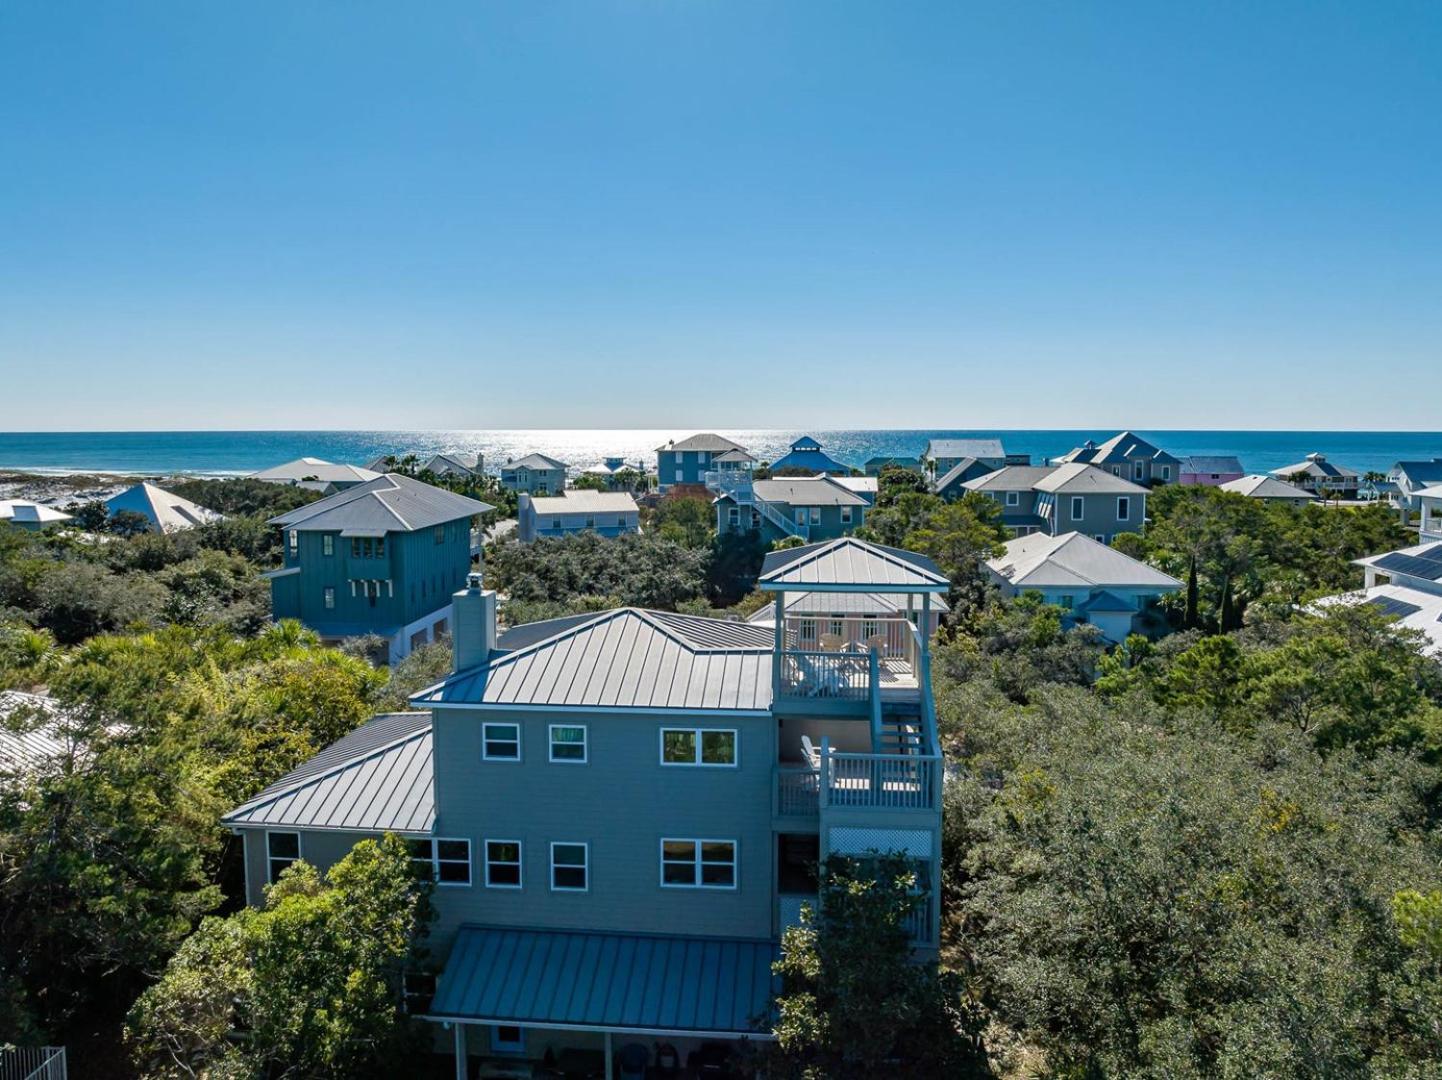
x=389 y=503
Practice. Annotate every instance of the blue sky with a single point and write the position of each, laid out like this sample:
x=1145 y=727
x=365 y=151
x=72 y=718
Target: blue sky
x=720 y=213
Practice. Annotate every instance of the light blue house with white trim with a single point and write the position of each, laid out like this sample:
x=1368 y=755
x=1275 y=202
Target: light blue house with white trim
x=536 y=474
x=806 y=454
x=639 y=794
x=605 y=513
x=687 y=462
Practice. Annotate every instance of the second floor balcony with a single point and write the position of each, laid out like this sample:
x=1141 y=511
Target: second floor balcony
x=840 y=657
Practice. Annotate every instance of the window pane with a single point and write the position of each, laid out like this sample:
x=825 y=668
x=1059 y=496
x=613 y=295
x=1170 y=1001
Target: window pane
x=570 y=877
x=679 y=849
x=678 y=873
x=718 y=851
x=569 y=855
x=679 y=746
x=718 y=875
x=503 y=875
x=454 y=849
x=456 y=873
x=284 y=845
x=419 y=849
x=501 y=851
x=718 y=747
x=568 y=743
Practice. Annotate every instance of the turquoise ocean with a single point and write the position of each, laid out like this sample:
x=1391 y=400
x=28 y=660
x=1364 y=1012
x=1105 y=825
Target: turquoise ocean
x=220 y=453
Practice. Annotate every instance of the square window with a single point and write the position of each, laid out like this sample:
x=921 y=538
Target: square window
x=327 y=544
x=718 y=748
x=446 y=862
x=503 y=864
x=506 y=1039
x=281 y=849
x=569 y=867
x=568 y=743
x=501 y=742
x=1013 y=498
x=678 y=747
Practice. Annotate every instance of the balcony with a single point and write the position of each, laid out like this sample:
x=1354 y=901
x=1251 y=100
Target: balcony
x=848 y=782
x=841 y=657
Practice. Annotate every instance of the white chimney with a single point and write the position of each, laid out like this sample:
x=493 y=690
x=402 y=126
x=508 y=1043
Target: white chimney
x=473 y=624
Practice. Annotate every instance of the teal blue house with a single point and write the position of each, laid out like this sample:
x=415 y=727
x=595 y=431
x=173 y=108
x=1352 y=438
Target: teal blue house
x=380 y=558
x=687 y=462
x=806 y=453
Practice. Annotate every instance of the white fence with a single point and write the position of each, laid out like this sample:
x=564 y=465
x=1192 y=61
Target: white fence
x=32 y=1063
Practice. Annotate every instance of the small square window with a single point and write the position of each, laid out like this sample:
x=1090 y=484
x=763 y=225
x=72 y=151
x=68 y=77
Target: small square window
x=503 y=864
x=568 y=743
x=501 y=742
x=569 y=867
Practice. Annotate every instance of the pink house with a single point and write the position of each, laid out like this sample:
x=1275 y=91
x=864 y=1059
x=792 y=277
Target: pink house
x=1210 y=471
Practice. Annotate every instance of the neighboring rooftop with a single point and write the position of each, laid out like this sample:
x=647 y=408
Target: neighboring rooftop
x=627 y=658
x=535 y=462
x=586 y=501
x=376 y=779
x=1011 y=478
x=309 y=468
x=840 y=603
x=1256 y=486
x=1316 y=466
x=965 y=448
x=1412 y=608
x=24 y=750
x=850 y=565
x=25 y=512
x=1038 y=560
x=1204 y=465
x=705 y=441
x=389 y=503
x=806 y=453
x=859 y=485
x=165 y=512
x=1080 y=478
x=807 y=491
x=1419 y=561
x=1121 y=447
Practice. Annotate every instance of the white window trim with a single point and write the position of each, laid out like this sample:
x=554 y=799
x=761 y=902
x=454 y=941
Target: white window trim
x=269 y=859
x=1013 y=498
x=1127 y=499
x=846 y=515
x=520 y=863
x=436 y=860
x=698 y=763
x=585 y=745
x=1078 y=508
x=585 y=846
x=697 y=861
x=485 y=739
x=1166 y=472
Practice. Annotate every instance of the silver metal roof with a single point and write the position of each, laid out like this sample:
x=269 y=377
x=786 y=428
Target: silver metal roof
x=839 y=603
x=806 y=491
x=24 y=750
x=535 y=461
x=1256 y=486
x=596 y=980
x=1038 y=560
x=167 y=512
x=586 y=501
x=376 y=779
x=1010 y=478
x=625 y=659
x=850 y=565
x=960 y=448
x=1078 y=478
x=389 y=503
x=1120 y=447
x=324 y=471
x=705 y=441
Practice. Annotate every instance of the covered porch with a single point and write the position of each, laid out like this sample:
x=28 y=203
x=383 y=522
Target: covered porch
x=557 y=1003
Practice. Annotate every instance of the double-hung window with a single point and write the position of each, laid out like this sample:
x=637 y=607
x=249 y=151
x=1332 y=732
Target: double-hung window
x=570 y=866
x=501 y=742
x=1077 y=507
x=281 y=849
x=446 y=862
x=846 y=515
x=698 y=864
x=327 y=544
x=503 y=864
x=568 y=743
x=294 y=541
x=698 y=746
x=815 y=513
x=1124 y=507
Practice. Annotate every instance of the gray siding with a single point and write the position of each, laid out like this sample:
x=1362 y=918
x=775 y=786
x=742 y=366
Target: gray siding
x=1099 y=516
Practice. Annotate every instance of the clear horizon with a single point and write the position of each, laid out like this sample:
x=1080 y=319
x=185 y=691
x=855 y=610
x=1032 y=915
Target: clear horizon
x=612 y=214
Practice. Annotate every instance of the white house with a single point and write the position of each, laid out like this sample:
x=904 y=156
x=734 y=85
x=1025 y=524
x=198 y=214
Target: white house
x=1093 y=583
x=316 y=475
x=609 y=513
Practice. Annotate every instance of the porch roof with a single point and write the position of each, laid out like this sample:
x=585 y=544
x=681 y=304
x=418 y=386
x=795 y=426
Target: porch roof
x=596 y=981
x=850 y=565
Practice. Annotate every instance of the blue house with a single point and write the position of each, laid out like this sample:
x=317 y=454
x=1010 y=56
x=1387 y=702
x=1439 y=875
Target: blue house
x=380 y=558
x=806 y=453
x=688 y=461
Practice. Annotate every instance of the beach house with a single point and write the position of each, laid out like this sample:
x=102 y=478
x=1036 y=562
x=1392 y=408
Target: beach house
x=687 y=462
x=809 y=507
x=606 y=513
x=627 y=811
x=1321 y=477
x=455 y=465
x=534 y=473
x=875 y=465
x=807 y=458
x=158 y=509
x=380 y=558
x=30 y=516
x=315 y=474
x=1128 y=456
x=1407 y=584
x=1089 y=581
x=1210 y=470
x=1270 y=489
x=941 y=456
x=1412 y=477
x=1056 y=499
x=951 y=484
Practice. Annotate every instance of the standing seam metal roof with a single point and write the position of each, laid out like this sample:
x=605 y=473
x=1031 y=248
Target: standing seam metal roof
x=641 y=982
x=848 y=561
x=389 y=503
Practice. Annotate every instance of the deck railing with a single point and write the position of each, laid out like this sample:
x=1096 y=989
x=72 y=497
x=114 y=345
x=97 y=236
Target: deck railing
x=825 y=675
x=918 y=921
x=32 y=1063
x=880 y=781
x=797 y=791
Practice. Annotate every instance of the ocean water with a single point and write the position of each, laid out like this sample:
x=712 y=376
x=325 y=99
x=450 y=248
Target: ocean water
x=221 y=453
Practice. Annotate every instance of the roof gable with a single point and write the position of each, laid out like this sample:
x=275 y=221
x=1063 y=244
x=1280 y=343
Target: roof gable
x=851 y=565
x=1039 y=560
x=389 y=503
